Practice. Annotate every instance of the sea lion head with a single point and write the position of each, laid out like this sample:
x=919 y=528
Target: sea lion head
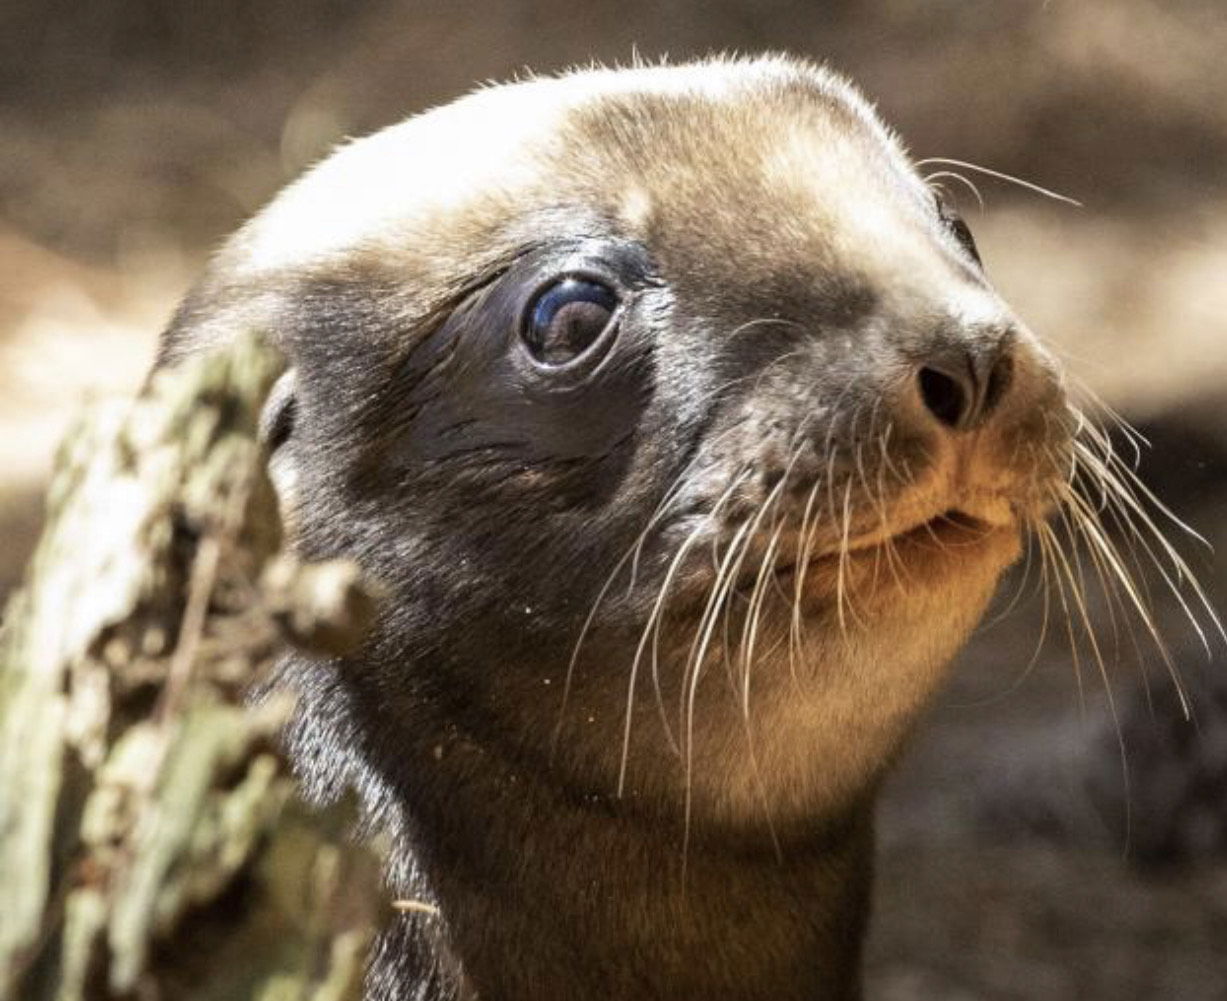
x=676 y=415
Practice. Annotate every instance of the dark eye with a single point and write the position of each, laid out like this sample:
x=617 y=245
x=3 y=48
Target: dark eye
x=954 y=222
x=567 y=318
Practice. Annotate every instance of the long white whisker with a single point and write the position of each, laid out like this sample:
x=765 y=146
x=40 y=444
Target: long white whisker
x=1001 y=176
x=954 y=175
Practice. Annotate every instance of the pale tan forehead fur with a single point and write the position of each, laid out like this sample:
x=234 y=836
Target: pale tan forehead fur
x=776 y=145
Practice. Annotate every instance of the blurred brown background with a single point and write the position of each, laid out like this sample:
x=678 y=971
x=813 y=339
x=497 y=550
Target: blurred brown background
x=137 y=133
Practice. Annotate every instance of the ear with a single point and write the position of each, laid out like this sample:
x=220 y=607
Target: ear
x=276 y=432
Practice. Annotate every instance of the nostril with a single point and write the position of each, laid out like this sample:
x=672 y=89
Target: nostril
x=944 y=396
x=999 y=379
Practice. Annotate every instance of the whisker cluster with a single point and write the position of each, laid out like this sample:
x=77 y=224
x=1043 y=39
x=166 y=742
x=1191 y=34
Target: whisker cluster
x=1096 y=523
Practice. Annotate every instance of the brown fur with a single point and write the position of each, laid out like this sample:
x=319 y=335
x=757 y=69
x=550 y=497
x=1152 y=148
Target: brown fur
x=607 y=793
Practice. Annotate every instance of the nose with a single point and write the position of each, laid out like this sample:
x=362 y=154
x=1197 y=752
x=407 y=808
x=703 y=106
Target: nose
x=962 y=385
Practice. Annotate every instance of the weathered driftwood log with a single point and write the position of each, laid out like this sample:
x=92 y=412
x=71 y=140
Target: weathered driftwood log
x=150 y=843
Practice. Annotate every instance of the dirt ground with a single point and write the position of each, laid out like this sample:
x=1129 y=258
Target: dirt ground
x=1020 y=859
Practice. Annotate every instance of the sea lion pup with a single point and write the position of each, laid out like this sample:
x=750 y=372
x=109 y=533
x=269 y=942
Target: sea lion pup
x=679 y=421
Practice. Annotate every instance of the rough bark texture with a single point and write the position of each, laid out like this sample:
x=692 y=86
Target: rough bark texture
x=150 y=843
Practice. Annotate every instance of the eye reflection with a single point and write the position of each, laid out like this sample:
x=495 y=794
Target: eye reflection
x=567 y=318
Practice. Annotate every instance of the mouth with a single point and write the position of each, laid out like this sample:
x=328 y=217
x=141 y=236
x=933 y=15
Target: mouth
x=953 y=532
x=952 y=527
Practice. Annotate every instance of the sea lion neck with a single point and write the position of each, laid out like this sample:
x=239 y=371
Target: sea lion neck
x=545 y=896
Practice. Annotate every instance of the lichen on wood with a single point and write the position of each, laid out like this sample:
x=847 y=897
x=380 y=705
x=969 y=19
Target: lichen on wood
x=147 y=819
